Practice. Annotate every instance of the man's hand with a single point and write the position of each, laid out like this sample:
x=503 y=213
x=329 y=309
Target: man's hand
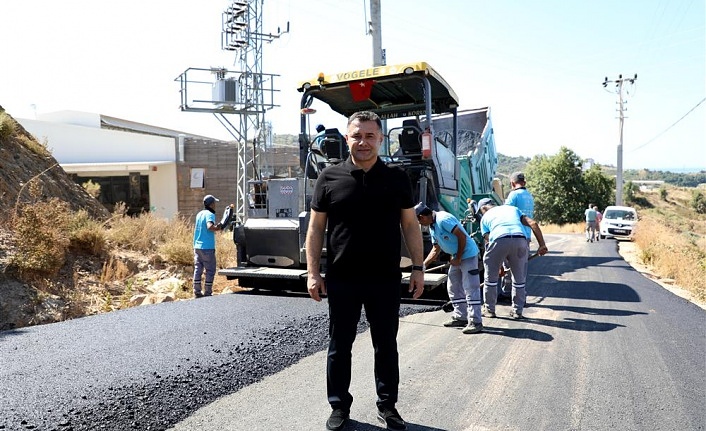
x=542 y=250
x=316 y=286
x=416 y=284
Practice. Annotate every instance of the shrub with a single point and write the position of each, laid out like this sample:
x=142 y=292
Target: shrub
x=629 y=192
x=7 y=126
x=663 y=193
x=178 y=247
x=41 y=235
x=698 y=201
x=34 y=146
x=93 y=189
x=86 y=235
x=142 y=233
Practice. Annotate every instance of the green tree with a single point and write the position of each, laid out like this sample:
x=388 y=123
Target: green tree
x=562 y=190
x=630 y=192
x=557 y=186
x=600 y=188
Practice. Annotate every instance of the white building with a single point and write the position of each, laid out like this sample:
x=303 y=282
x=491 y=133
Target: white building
x=146 y=167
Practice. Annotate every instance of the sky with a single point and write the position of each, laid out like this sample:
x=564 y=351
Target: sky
x=539 y=65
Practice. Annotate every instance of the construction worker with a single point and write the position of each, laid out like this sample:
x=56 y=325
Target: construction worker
x=205 y=246
x=448 y=235
x=521 y=198
x=505 y=240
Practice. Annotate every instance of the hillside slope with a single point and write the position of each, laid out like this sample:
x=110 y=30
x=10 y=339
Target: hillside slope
x=29 y=174
x=28 y=169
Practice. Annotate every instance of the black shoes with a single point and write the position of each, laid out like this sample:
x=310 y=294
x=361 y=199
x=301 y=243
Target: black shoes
x=337 y=420
x=198 y=295
x=391 y=419
x=387 y=415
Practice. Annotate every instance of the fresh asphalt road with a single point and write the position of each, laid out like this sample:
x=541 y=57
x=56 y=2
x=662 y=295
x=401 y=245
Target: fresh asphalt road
x=602 y=348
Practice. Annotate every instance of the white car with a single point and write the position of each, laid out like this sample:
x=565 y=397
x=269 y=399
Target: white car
x=618 y=221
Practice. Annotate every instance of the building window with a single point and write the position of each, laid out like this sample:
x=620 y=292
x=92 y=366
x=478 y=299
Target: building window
x=133 y=190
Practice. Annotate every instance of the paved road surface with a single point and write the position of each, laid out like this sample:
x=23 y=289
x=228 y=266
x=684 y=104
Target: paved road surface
x=602 y=348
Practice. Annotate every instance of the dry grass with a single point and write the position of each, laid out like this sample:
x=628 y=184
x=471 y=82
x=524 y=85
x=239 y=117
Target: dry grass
x=42 y=239
x=97 y=267
x=563 y=228
x=671 y=238
x=8 y=126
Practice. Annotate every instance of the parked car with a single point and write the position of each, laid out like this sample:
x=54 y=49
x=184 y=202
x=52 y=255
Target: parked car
x=618 y=221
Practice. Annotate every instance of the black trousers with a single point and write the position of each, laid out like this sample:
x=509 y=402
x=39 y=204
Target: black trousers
x=381 y=302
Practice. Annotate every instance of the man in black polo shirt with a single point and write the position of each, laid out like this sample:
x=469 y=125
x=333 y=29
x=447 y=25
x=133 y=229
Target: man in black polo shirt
x=364 y=202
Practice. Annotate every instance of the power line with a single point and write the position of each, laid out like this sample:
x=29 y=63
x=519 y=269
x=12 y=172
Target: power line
x=675 y=123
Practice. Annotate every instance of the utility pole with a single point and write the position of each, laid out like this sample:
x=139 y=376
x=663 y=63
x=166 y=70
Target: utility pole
x=376 y=32
x=619 y=85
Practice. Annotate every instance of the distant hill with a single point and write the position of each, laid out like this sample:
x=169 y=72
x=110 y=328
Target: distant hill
x=676 y=179
x=508 y=164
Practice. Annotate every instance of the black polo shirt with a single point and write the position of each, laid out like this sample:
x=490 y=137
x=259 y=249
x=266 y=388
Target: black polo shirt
x=363 y=211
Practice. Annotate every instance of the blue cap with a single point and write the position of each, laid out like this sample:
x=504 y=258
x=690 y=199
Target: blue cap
x=209 y=199
x=421 y=209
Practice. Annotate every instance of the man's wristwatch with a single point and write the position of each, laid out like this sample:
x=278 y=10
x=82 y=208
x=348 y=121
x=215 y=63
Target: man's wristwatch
x=418 y=268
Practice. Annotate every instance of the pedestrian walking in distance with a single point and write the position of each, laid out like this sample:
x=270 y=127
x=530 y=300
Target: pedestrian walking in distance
x=591 y=215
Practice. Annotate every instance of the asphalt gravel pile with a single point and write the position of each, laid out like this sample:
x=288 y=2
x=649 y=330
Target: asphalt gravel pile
x=164 y=399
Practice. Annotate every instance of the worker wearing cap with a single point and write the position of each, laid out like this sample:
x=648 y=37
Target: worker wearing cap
x=503 y=230
x=448 y=235
x=522 y=199
x=205 y=246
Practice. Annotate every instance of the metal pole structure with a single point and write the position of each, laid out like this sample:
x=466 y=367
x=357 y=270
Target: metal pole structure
x=619 y=168
x=621 y=108
x=376 y=30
